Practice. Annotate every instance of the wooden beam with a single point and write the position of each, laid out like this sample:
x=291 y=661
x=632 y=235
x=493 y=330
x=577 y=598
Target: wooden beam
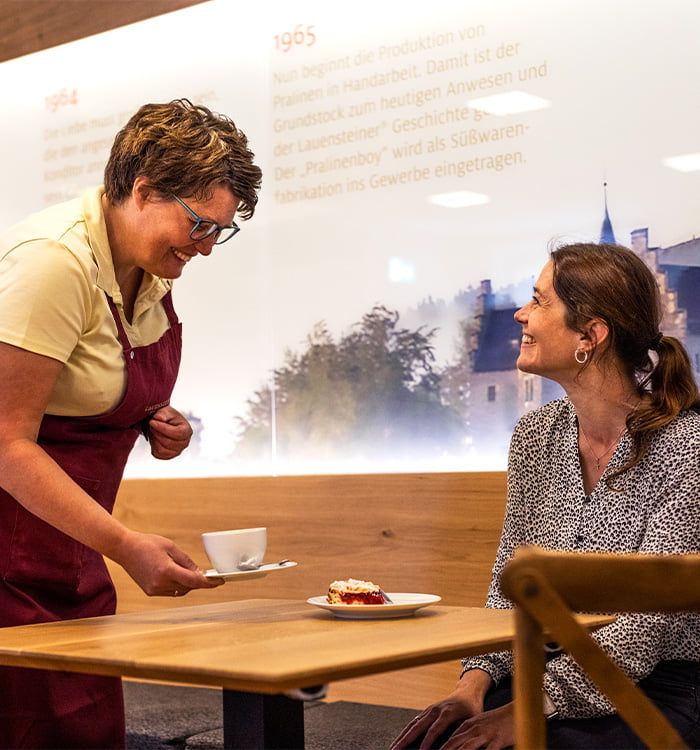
x=28 y=26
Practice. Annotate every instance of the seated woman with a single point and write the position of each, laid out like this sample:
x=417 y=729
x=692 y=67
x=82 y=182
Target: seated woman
x=612 y=467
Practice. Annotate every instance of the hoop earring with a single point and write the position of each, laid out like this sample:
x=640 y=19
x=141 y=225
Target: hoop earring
x=585 y=356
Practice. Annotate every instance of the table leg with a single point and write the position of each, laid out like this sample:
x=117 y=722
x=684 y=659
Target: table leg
x=253 y=721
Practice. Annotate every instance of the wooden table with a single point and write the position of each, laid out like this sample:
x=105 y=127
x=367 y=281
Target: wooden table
x=255 y=650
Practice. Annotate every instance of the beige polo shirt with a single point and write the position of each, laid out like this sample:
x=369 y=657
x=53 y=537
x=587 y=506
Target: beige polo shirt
x=55 y=269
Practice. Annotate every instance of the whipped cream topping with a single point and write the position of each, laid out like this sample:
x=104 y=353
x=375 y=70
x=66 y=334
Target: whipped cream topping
x=354 y=586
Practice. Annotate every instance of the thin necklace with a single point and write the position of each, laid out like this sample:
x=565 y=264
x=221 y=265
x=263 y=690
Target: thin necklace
x=606 y=451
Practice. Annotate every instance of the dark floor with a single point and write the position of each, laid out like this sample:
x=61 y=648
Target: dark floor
x=163 y=717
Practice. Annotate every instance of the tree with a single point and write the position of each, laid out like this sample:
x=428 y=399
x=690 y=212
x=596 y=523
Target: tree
x=372 y=394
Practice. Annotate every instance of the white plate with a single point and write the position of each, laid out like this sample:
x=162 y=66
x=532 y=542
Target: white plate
x=404 y=605
x=241 y=575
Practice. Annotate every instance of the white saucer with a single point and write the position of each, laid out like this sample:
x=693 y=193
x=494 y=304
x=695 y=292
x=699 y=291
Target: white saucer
x=404 y=605
x=241 y=575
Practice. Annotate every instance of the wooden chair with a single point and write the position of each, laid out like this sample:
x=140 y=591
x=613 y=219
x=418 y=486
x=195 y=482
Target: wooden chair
x=547 y=586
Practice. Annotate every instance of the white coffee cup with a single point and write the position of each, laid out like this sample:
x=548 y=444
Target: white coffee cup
x=237 y=549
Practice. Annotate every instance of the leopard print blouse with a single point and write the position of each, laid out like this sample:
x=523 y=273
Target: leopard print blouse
x=656 y=510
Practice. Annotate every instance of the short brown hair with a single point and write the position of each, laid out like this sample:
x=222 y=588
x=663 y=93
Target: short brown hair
x=185 y=150
x=612 y=283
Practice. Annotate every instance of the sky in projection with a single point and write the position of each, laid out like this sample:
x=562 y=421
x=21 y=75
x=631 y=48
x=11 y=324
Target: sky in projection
x=409 y=151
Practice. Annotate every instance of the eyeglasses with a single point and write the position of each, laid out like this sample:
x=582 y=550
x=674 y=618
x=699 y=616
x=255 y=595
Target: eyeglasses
x=204 y=228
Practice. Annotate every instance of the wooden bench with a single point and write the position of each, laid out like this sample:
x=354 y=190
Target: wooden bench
x=432 y=533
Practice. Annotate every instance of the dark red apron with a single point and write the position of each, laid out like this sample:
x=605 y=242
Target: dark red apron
x=47 y=575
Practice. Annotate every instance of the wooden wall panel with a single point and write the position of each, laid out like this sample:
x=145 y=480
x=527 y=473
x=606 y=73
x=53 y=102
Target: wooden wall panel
x=433 y=533
x=30 y=25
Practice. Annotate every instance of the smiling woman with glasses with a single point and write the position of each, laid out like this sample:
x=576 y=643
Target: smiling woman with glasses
x=89 y=353
x=203 y=229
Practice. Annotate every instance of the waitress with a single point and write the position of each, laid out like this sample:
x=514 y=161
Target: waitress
x=89 y=354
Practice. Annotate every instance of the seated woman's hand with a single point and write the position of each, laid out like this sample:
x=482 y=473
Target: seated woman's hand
x=493 y=730
x=169 y=433
x=159 y=566
x=431 y=723
x=465 y=701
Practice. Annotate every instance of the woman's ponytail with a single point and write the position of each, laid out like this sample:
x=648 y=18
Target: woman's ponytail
x=670 y=388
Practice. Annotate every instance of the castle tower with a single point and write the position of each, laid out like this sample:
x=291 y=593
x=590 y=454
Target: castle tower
x=607 y=235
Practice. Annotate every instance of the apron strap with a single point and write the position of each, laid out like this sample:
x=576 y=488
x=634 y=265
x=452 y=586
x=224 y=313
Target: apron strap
x=167 y=302
x=121 y=333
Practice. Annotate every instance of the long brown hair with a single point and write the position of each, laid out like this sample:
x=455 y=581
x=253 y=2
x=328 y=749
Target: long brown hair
x=614 y=284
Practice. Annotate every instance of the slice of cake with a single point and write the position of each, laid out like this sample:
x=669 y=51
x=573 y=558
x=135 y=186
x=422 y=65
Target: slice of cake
x=353 y=591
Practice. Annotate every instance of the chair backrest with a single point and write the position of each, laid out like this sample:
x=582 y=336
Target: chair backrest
x=548 y=586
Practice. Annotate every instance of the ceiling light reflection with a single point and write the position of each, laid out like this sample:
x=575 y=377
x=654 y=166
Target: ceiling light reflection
x=683 y=162
x=458 y=199
x=509 y=103
x=401 y=271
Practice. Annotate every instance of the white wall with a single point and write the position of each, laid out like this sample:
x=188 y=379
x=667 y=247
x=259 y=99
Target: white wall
x=616 y=83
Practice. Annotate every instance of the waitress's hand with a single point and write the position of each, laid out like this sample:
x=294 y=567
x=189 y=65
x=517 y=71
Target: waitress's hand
x=169 y=433
x=159 y=566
